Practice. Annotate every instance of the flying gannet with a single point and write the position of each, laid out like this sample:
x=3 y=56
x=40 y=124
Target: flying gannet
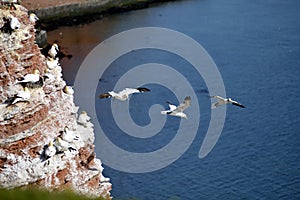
x=178 y=110
x=223 y=101
x=23 y=95
x=53 y=50
x=124 y=94
x=33 y=18
x=50 y=150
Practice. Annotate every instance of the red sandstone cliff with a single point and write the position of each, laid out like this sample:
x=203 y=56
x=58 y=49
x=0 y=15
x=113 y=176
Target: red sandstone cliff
x=27 y=127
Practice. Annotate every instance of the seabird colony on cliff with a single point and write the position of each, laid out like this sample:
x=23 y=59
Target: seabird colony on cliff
x=65 y=142
x=11 y=28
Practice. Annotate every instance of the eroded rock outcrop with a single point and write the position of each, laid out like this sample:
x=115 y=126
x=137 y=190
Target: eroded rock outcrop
x=27 y=127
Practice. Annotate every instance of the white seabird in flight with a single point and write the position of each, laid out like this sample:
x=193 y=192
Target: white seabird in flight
x=124 y=94
x=22 y=96
x=223 y=101
x=178 y=110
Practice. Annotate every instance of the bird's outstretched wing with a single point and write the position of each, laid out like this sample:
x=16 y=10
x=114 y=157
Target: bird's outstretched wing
x=238 y=104
x=186 y=103
x=129 y=91
x=124 y=93
x=143 y=89
x=218 y=97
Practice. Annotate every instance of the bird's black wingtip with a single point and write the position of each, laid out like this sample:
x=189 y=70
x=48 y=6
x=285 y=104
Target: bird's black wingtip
x=143 y=89
x=239 y=105
x=104 y=95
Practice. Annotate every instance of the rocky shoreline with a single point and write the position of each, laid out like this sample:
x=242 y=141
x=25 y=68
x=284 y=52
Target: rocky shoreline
x=72 y=12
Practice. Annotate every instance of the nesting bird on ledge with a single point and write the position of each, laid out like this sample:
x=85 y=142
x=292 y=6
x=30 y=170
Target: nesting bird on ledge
x=32 y=80
x=33 y=18
x=30 y=77
x=62 y=145
x=124 y=94
x=10 y=3
x=14 y=22
x=52 y=63
x=53 y=51
x=22 y=96
x=83 y=118
x=68 y=90
x=50 y=150
x=69 y=135
x=11 y=24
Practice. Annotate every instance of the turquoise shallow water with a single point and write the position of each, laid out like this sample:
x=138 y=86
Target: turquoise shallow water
x=256 y=46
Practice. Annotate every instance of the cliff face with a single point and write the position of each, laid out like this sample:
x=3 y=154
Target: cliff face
x=27 y=127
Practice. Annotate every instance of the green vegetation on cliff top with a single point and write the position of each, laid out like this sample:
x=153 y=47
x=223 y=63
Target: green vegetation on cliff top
x=36 y=194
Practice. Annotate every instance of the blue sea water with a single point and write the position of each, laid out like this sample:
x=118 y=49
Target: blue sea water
x=256 y=46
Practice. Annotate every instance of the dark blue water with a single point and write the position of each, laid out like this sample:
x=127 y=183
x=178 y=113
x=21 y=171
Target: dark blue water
x=256 y=46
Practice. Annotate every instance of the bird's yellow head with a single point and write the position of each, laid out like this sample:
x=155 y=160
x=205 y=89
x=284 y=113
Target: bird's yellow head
x=66 y=128
x=36 y=71
x=50 y=59
x=33 y=15
x=55 y=46
x=26 y=89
